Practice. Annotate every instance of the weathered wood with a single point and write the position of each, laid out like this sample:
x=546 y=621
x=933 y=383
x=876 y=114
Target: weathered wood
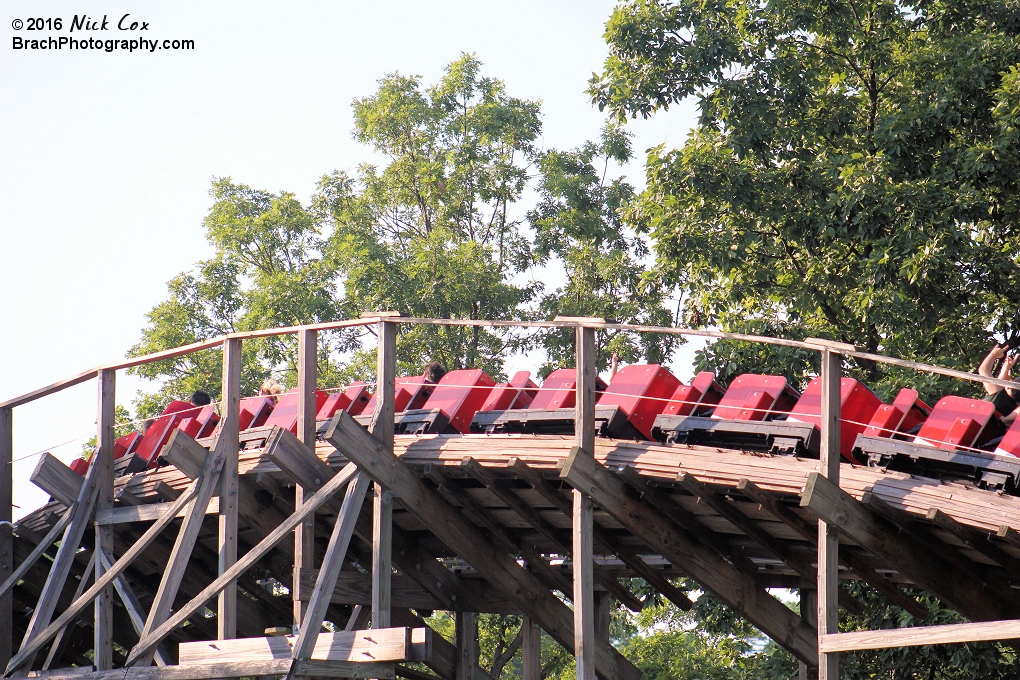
x=45 y=544
x=855 y=564
x=53 y=388
x=561 y=538
x=28 y=651
x=146 y=513
x=500 y=569
x=308 y=372
x=208 y=480
x=467 y=646
x=6 y=533
x=359 y=646
x=227 y=510
x=103 y=462
x=922 y=635
x=382 y=428
x=827 y=593
x=268 y=667
x=915 y=559
x=531 y=652
x=134 y=609
x=332 y=561
x=60 y=642
x=732 y=586
x=243 y=564
x=582 y=522
x=55 y=478
x=80 y=511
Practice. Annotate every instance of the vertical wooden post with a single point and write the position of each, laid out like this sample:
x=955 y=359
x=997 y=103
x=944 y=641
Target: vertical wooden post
x=603 y=614
x=230 y=404
x=808 y=612
x=467 y=646
x=532 y=650
x=304 y=534
x=583 y=524
x=6 y=532
x=382 y=503
x=105 y=434
x=828 y=540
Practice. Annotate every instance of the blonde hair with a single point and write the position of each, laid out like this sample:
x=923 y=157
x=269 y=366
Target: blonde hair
x=270 y=387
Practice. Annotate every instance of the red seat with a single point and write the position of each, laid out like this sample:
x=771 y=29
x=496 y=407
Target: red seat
x=201 y=425
x=409 y=392
x=642 y=392
x=905 y=413
x=703 y=392
x=254 y=411
x=858 y=405
x=158 y=434
x=756 y=397
x=285 y=412
x=1010 y=444
x=459 y=395
x=359 y=396
x=560 y=389
x=337 y=401
x=126 y=444
x=956 y=422
x=518 y=393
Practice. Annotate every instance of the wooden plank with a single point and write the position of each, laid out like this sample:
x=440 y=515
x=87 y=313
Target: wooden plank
x=244 y=563
x=6 y=532
x=582 y=522
x=531 y=653
x=208 y=481
x=732 y=586
x=105 y=435
x=975 y=539
x=918 y=561
x=80 y=511
x=60 y=642
x=382 y=428
x=953 y=633
x=359 y=646
x=28 y=652
x=227 y=510
x=134 y=609
x=467 y=646
x=304 y=534
x=500 y=569
x=269 y=667
x=55 y=478
x=146 y=513
x=333 y=560
x=827 y=592
x=45 y=544
x=53 y=388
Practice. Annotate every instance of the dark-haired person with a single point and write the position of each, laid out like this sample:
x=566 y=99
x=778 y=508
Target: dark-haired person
x=1005 y=400
x=434 y=372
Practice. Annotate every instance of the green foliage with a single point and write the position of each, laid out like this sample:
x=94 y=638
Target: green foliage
x=124 y=425
x=854 y=172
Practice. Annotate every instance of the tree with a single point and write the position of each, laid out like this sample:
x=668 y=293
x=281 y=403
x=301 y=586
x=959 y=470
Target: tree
x=854 y=170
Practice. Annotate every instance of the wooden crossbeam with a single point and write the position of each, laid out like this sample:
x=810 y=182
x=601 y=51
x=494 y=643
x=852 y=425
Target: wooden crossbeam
x=60 y=642
x=500 y=569
x=987 y=631
x=243 y=564
x=629 y=557
x=559 y=537
x=917 y=560
x=28 y=651
x=208 y=481
x=332 y=561
x=359 y=646
x=45 y=544
x=853 y=562
x=235 y=669
x=733 y=587
x=134 y=609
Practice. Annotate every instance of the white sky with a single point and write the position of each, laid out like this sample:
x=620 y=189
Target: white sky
x=106 y=159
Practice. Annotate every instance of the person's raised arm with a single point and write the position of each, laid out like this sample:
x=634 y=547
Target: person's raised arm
x=988 y=365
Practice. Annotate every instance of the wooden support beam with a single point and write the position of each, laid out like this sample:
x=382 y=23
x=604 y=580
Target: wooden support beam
x=226 y=442
x=732 y=586
x=531 y=661
x=235 y=669
x=432 y=649
x=45 y=544
x=561 y=538
x=953 y=633
x=332 y=561
x=583 y=524
x=629 y=557
x=105 y=434
x=55 y=478
x=359 y=646
x=919 y=562
x=382 y=428
x=467 y=646
x=243 y=564
x=755 y=531
x=856 y=565
x=6 y=533
x=134 y=609
x=308 y=376
x=500 y=569
x=60 y=642
x=80 y=511
x=208 y=481
x=28 y=651
x=827 y=593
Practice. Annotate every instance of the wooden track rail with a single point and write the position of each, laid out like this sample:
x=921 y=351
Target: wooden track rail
x=272 y=532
